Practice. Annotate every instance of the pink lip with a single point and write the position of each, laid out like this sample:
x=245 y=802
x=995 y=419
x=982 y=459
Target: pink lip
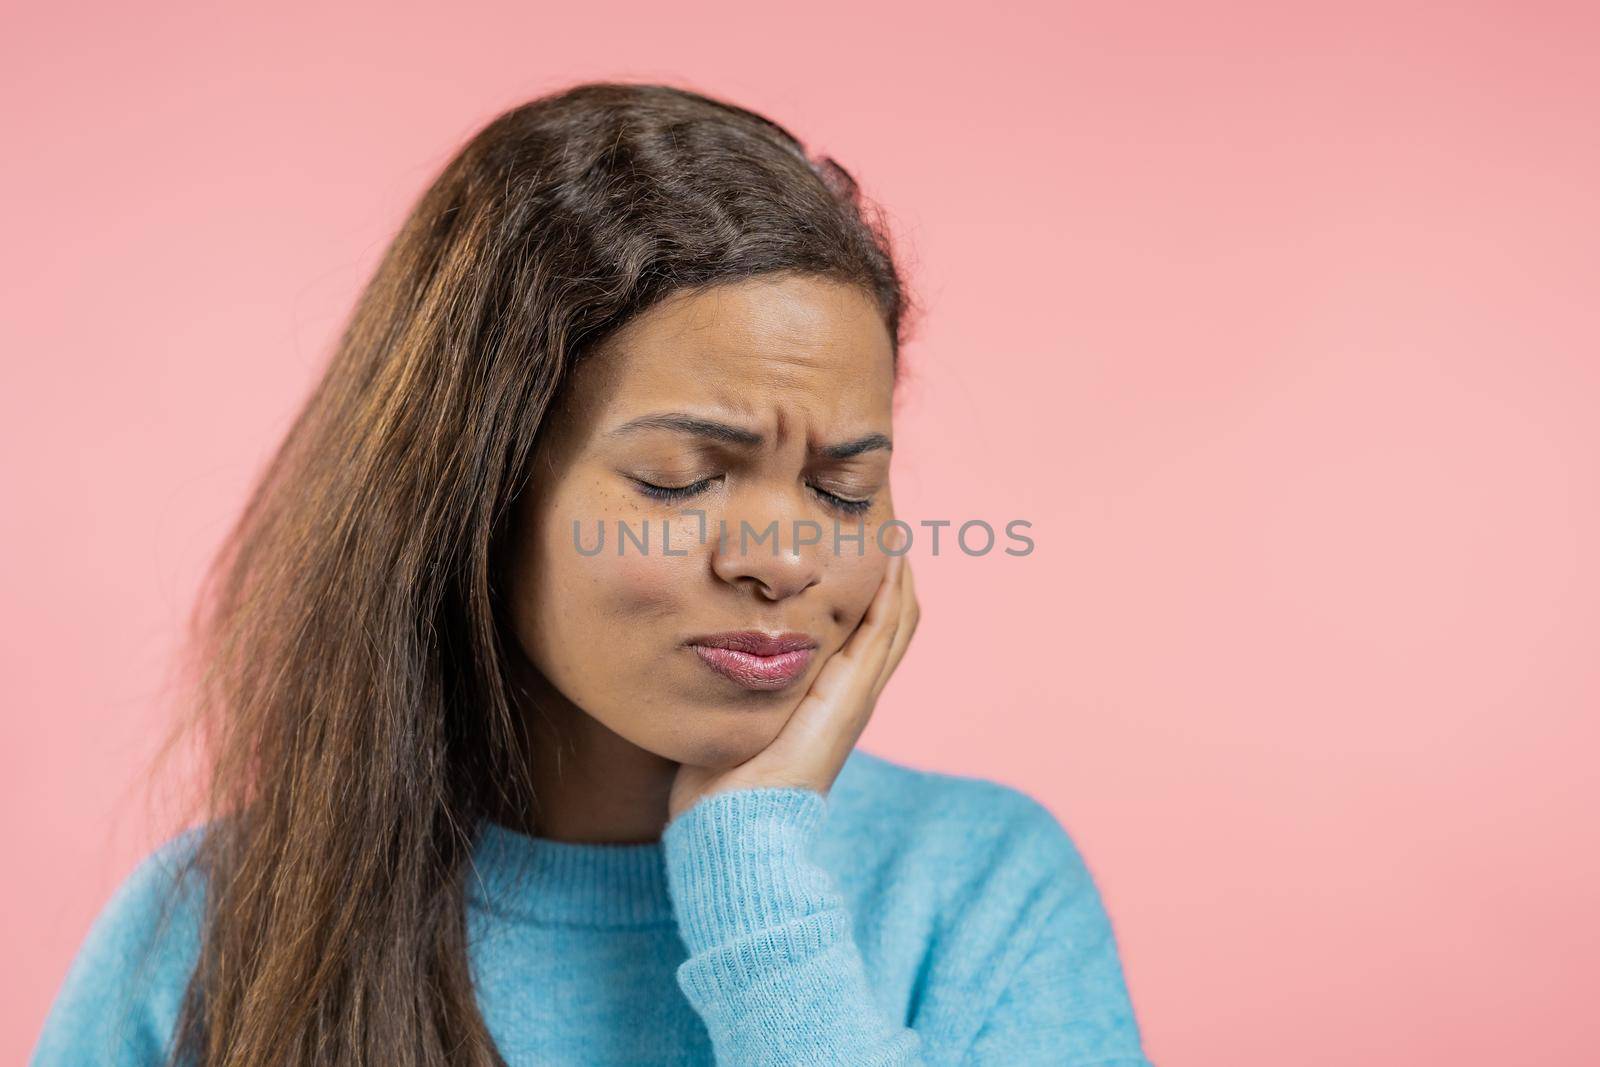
x=756 y=660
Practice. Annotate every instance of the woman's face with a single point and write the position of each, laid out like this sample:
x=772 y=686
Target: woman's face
x=791 y=381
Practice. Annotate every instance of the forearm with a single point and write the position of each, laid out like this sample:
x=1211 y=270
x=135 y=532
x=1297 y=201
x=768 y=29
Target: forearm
x=773 y=967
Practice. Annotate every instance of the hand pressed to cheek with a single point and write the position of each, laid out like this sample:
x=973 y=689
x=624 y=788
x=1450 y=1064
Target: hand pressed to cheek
x=812 y=747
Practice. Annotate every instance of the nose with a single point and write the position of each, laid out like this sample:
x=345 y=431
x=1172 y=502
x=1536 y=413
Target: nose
x=770 y=550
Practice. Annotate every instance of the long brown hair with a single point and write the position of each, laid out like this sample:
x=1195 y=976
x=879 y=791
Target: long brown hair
x=347 y=655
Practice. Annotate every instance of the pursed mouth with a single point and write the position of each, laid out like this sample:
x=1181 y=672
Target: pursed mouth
x=756 y=672
x=756 y=642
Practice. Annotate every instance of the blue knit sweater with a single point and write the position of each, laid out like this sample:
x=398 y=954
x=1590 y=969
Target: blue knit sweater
x=907 y=917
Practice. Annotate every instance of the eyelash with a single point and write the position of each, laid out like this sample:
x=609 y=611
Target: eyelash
x=681 y=492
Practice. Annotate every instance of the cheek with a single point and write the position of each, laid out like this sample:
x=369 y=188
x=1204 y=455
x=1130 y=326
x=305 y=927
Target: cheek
x=634 y=585
x=613 y=576
x=856 y=582
x=624 y=589
x=581 y=598
x=597 y=626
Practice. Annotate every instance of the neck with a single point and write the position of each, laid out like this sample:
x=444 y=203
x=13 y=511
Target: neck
x=590 y=783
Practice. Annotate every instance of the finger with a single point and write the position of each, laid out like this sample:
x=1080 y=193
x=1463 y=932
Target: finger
x=836 y=711
x=910 y=615
x=882 y=613
x=848 y=675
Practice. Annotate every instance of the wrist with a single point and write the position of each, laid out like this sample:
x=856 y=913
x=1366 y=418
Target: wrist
x=738 y=862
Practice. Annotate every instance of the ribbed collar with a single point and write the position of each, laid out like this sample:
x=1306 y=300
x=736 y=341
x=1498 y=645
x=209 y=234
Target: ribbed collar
x=538 y=879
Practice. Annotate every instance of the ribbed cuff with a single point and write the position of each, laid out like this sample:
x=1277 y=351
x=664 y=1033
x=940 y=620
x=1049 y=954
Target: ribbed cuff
x=737 y=864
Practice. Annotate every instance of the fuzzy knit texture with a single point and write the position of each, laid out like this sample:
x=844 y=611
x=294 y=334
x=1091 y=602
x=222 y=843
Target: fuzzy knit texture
x=905 y=917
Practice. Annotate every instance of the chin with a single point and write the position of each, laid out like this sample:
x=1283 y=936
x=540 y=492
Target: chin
x=727 y=739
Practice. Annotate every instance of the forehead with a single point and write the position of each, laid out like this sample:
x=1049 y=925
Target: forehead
x=792 y=343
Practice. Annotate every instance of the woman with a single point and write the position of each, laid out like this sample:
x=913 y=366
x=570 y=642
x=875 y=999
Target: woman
x=531 y=746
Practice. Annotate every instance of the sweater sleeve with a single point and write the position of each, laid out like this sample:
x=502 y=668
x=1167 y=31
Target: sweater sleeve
x=773 y=967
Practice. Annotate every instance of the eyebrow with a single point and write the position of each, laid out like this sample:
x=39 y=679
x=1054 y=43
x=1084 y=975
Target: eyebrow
x=725 y=433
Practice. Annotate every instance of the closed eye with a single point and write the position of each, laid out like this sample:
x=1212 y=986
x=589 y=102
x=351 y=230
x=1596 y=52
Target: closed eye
x=670 y=493
x=843 y=503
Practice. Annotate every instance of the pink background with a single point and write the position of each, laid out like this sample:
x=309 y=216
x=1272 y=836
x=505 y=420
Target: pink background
x=1280 y=327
